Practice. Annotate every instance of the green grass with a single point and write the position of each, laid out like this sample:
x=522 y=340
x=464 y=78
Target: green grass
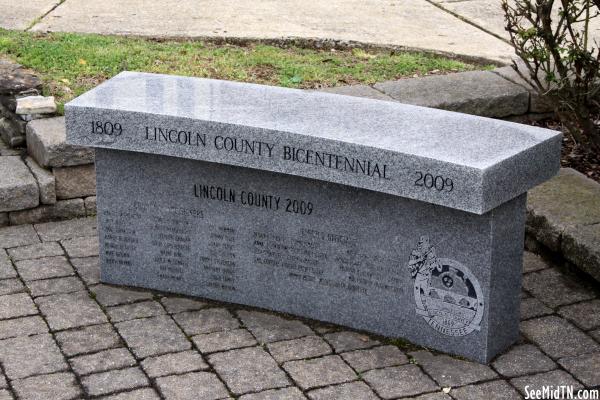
x=70 y=64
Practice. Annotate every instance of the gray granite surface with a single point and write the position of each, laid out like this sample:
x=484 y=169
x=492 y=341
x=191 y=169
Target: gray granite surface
x=320 y=250
x=456 y=160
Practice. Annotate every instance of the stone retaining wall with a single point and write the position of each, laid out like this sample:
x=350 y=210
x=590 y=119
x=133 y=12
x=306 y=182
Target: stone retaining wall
x=48 y=180
x=42 y=178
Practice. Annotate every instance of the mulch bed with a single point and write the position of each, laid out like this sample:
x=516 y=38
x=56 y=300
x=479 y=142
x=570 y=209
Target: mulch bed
x=587 y=163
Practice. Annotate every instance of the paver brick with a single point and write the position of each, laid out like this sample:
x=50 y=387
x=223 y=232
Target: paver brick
x=153 y=336
x=81 y=246
x=87 y=340
x=532 y=262
x=532 y=307
x=393 y=382
x=323 y=328
x=179 y=304
x=523 y=359
x=11 y=286
x=272 y=328
x=133 y=311
x=5 y=395
x=557 y=337
x=60 y=230
x=496 y=390
x=289 y=393
x=30 y=355
x=174 y=363
x=226 y=340
x=378 y=357
x=192 y=386
x=47 y=287
x=433 y=396
x=22 y=327
x=248 y=370
x=584 y=367
x=38 y=250
x=114 y=381
x=19 y=235
x=297 y=349
x=317 y=372
x=6 y=268
x=347 y=341
x=352 y=390
x=59 y=386
x=102 y=361
x=537 y=382
x=112 y=295
x=206 y=321
x=448 y=371
x=585 y=315
x=16 y=305
x=18 y=187
x=595 y=334
x=70 y=310
x=138 y=394
x=44 y=268
x=554 y=289
x=88 y=269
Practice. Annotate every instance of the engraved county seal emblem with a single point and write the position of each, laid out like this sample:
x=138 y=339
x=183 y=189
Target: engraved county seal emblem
x=447 y=294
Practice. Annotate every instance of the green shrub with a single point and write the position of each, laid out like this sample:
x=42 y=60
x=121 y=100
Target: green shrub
x=560 y=60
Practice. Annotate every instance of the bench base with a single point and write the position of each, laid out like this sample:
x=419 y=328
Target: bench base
x=438 y=277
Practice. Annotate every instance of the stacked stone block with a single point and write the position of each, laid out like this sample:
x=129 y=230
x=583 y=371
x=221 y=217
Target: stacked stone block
x=41 y=177
x=61 y=177
x=20 y=102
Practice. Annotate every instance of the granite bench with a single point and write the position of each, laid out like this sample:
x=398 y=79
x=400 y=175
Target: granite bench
x=394 y=219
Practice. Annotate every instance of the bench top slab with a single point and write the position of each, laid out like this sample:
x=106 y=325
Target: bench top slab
x=456 y=160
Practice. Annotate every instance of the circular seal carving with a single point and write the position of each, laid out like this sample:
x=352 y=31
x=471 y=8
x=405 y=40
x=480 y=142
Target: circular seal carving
x=447 y=294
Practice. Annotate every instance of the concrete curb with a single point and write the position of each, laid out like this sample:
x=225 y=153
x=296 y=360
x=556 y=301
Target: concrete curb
x=563 y=215
x=495 y=94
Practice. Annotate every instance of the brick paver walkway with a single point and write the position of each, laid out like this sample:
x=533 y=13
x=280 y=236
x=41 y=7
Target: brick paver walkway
x=63 y=335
